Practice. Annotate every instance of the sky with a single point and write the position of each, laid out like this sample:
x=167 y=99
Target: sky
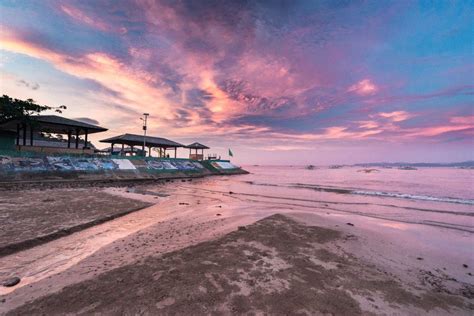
x=278 y=82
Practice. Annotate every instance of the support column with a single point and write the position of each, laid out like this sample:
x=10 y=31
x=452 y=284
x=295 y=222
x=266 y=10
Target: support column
x=69 y=138
x=149 y=151
x=123 y=148
x=112 y=149
x=131 y=148
x=175 y=152
x=77 y=138
x=31 y=135
x=18 y=129
x=86 y=137
x=24 y=134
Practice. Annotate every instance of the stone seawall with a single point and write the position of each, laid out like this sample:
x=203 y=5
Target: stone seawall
x=24 y=171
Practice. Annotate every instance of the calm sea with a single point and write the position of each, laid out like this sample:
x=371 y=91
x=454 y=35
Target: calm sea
x=442 y=197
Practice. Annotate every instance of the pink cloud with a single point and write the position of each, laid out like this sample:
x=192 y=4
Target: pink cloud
x=396 y=116
x=468 y=120
x=368 y=124
x=363 y=87
x=82 y=17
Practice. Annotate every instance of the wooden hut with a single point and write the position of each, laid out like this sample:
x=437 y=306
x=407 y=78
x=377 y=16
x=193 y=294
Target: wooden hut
x=29 y=134
x=150 y=142
x=196 y=147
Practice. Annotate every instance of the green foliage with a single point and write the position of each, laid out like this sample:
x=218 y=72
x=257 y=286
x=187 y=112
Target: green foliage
x=22 y=109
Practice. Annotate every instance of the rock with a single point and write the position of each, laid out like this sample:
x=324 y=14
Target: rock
x=241 y=228
x=465 y=266
x=230 y=192
x=218 y=214
x=419 y=258
x=11 y=282
x=350 y=224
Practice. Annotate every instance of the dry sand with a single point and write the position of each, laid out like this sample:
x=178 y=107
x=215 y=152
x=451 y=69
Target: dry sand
x=175 y=258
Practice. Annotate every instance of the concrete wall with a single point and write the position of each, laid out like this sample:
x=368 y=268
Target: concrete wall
x=46 y=168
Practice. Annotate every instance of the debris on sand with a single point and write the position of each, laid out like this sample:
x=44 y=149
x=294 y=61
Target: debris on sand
x=350 y=224
x=465 y=265
x=218 y=214
x=11 y=282
x=183 y=203
x=241 y=228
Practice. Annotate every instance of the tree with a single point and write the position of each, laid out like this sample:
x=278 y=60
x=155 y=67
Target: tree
x=23 y=109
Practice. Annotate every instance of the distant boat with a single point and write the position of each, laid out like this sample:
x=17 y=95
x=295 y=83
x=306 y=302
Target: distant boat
x=335 y=167
x=407 y=168
x=368 y=170
x=310 y=167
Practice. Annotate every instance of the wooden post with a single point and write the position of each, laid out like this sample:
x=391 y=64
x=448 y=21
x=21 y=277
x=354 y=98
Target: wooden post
x=149 y=151
x=18 y=129
x=77 y=138
x=69 y=138
x=24 y=134
x=112 y=149
x=123 y=148
x=31 y=135
x=85 y=138
x=175 y=152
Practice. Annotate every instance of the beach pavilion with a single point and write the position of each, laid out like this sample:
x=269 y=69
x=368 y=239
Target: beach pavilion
x=132 y=140
x=31 y=135
x=196 y=146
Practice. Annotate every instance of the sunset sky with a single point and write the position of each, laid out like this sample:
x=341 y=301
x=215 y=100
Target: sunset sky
x=278 y=82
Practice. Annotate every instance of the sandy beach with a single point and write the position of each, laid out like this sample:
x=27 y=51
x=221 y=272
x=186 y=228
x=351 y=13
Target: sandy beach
x=206 y=251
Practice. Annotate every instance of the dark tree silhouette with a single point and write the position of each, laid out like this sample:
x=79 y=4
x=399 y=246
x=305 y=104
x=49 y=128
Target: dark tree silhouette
x=23 y=109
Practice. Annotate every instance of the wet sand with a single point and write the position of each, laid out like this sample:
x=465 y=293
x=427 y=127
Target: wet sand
x=358 y=269
x=275 y=266
x=31 y=217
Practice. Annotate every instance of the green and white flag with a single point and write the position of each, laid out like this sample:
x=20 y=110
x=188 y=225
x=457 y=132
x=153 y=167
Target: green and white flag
x=230 y=153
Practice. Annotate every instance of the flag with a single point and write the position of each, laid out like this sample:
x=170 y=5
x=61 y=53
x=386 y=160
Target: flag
x=230 y=153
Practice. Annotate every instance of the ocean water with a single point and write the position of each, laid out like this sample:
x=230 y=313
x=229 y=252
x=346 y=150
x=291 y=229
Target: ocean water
x=442 y=197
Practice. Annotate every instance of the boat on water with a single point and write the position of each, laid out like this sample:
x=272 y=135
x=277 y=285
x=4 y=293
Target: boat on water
x=407 y=168
x=310 y=167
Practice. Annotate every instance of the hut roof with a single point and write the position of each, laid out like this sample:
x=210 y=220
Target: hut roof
x=55 y=124
x=197 y=146
x=136 y=140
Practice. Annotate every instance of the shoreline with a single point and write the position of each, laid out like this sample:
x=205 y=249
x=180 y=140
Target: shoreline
x=110 y=180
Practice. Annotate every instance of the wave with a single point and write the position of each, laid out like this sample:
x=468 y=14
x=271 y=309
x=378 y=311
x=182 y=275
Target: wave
x=415 y=197
x=339 y=190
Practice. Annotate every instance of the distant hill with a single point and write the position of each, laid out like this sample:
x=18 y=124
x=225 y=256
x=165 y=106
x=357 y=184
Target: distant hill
x=463 y=164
